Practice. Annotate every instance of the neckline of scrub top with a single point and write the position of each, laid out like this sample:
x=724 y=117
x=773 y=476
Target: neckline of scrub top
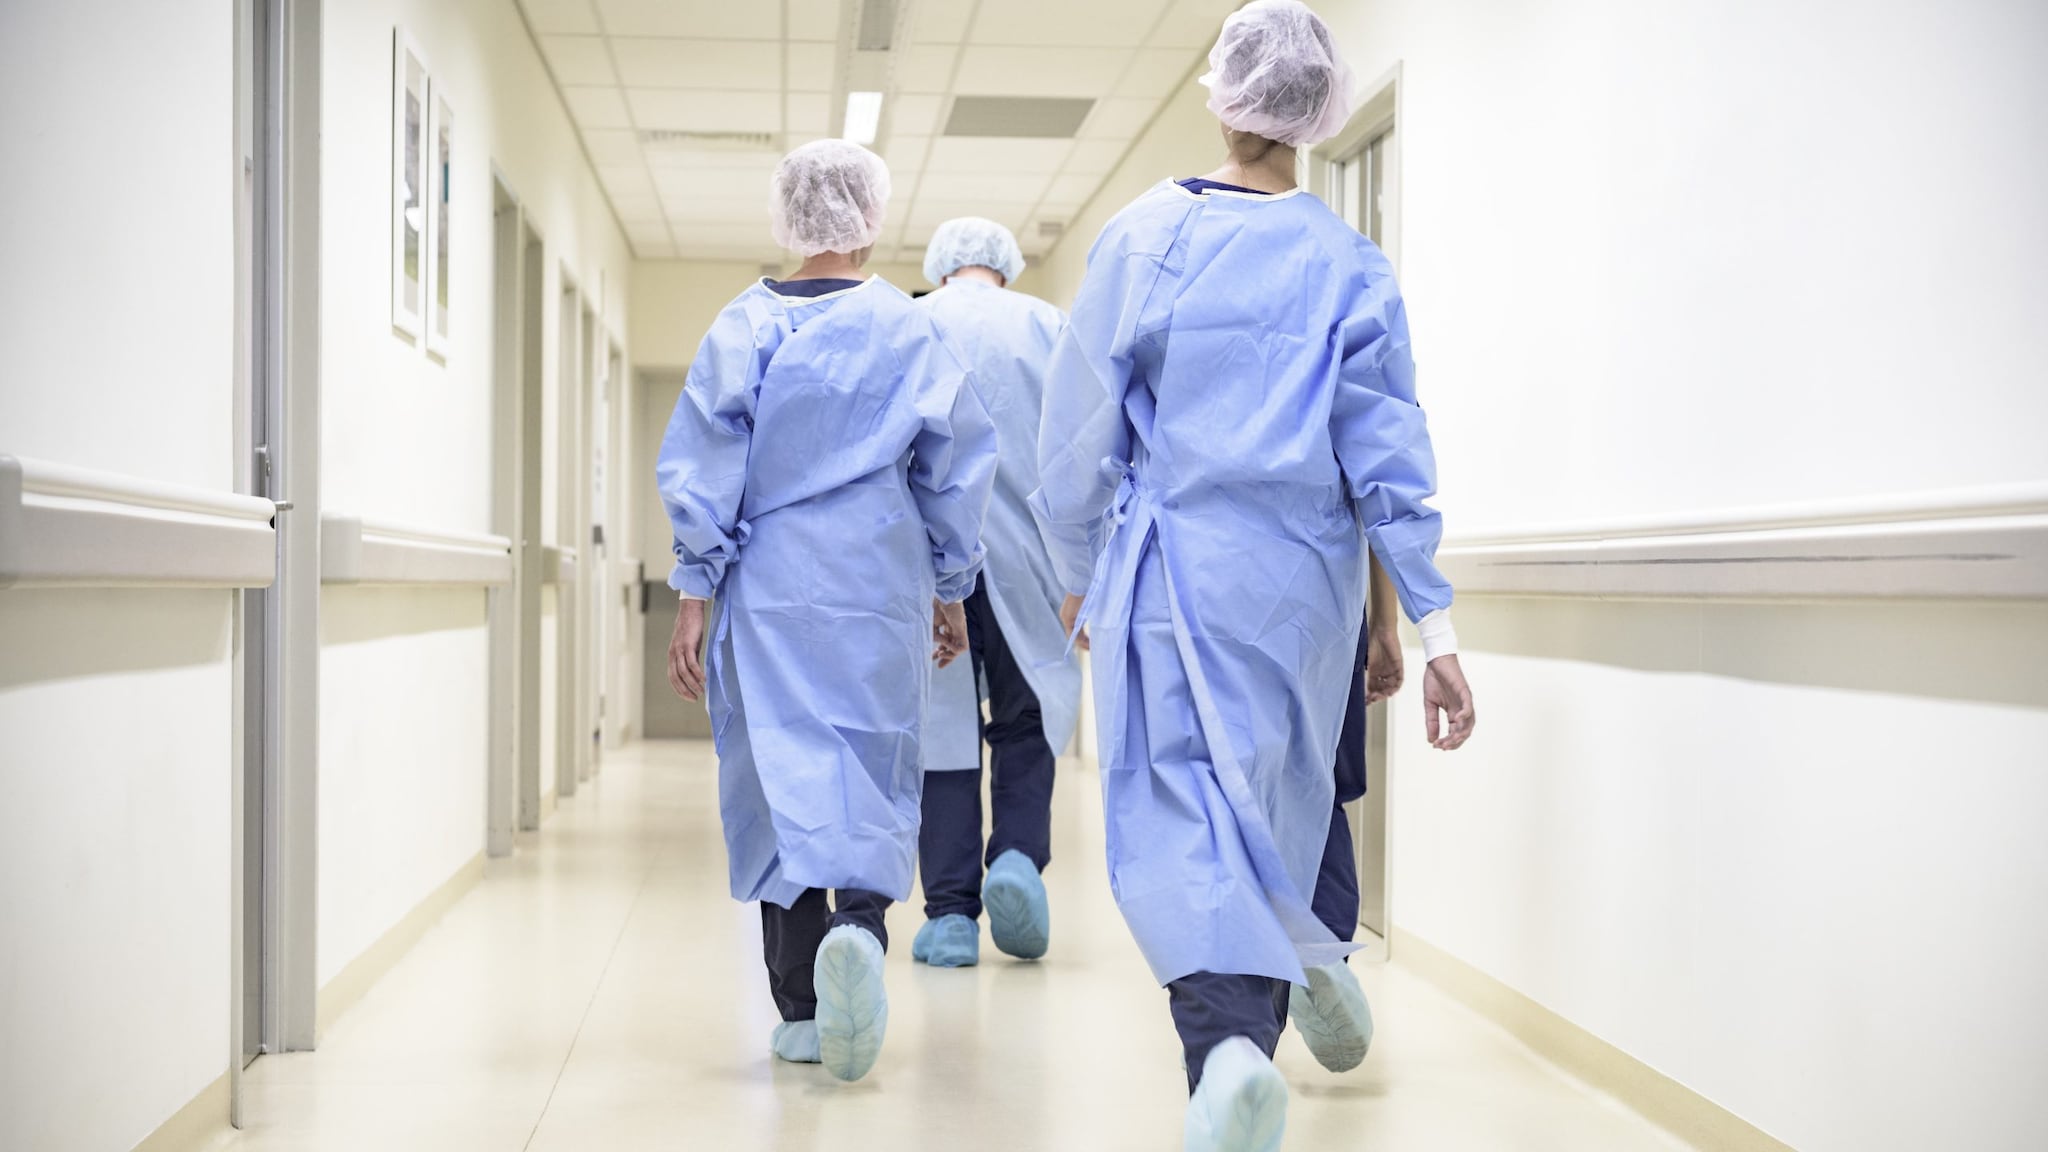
x=1197 y=187
x=818 y=289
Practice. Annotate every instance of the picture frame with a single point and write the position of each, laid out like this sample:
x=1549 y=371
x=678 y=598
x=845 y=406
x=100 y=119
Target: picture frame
x=440 y=268
x=408 y=186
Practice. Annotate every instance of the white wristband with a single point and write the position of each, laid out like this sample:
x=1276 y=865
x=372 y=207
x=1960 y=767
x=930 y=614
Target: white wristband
x=1438 y=637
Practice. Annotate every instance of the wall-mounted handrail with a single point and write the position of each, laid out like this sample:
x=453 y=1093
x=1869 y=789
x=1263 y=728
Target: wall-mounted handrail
x=354 y=550
x=1965 y=544
x=65 y=525
x=557 y=565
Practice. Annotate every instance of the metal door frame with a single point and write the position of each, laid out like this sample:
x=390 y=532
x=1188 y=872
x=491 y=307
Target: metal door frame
x=274 y=786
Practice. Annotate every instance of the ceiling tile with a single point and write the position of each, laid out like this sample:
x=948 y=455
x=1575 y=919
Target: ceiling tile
x=736 y=65
x=1155 y=72
x=708 y=19
x=1009 y=71
x=906 y=154
x=1072 y=187
x=915 y=114
x=810 y=66
x=627 y=181
x=578 y=59
x=928 y=214
x=1096 y=156
x=940 y=21
x=653 y=250
x=691 y=235
x=683 y=209
x=1071 y=23
x=750 y=162
x=1050 y=209
x=688 y=110
x=597 y=107
x=810 y=112
x=814 y=19
x=612 y=146
x=996 y=154
x=560 y=16
x=988 y=188
x=1120 y=118
x=1192 y=23
x=927 y=68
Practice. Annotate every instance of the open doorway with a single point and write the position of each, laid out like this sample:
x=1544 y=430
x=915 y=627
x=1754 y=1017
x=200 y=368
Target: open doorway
x=1356 y=174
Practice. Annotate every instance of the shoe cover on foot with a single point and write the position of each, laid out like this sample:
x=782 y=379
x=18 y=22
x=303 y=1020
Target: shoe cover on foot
x=948 y=942
x=796 y=1041
x=1014 y=895
x=853 y=1005
x=1241 y=1104
x=1331 y=1013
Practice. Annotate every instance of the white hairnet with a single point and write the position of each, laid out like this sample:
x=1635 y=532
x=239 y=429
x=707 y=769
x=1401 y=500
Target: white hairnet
x=828 y=196
x=969 y=240
x=1274 y=72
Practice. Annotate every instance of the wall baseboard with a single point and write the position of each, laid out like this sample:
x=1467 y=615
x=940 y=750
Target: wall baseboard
x=1660 y=1099
x=348 y=986
x=199 y=1124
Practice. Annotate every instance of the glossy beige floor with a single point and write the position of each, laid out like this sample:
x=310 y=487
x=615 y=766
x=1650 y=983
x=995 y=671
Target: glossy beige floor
x=600 y=993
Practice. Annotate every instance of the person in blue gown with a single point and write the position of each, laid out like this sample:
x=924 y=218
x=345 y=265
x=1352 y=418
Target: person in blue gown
x=1017 y=646
x=826 y=472
x=1230 y=423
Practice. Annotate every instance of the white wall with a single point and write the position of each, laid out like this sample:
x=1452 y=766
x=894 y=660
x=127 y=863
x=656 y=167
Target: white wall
x=116 y=311
x=408 y=438
x=1695 y=256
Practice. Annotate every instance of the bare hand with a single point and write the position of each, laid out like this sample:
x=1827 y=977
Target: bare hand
x=949 y=632
x=1383 y=672
x=1070 y=611
x=1444 y=690
x=685 y=648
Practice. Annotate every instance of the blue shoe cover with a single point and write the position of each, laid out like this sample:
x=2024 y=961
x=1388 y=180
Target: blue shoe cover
x=1014 y=895
x=948 y=942
x=796 y=1041
x=1331 y=1013
x=853 y=1005
x=1241 y=1104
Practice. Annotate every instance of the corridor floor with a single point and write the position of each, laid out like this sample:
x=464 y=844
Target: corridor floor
x=598 y=992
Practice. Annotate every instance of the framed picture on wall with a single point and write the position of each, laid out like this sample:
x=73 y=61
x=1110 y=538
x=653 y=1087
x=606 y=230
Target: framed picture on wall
x=439 y=271
x=408 y=185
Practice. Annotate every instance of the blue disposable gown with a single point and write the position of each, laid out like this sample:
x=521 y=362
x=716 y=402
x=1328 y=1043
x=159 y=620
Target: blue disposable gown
x=1232 y=401
x=1006 y=339
x=825 y=472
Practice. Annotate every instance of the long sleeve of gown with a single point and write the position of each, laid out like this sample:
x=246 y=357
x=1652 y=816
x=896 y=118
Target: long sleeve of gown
x=1083 y=435
x=702 y=469
x=1382 y=444
x=952 y=464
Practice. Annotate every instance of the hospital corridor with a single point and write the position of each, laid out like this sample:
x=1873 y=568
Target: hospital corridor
x=1023 y=575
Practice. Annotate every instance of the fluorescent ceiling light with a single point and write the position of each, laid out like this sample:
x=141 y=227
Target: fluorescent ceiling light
x=863 y=116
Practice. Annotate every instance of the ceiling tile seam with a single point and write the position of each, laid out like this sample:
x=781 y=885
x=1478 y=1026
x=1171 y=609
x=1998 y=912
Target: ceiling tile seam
x=938 y=129
x=1087 y=202
x=1032 y=219
x=575 y=127
x=633 y=122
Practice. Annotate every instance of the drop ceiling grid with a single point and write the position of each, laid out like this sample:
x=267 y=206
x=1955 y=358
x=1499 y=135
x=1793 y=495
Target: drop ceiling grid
x=1119 y=53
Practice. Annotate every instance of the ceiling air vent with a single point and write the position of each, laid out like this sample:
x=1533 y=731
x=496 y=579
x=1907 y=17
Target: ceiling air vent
x=1041 y=116
x=1051 y=230
x=731 y=141
x=877 y=26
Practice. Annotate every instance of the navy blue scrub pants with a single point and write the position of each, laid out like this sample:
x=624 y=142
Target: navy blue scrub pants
x=950 y=854
x=1211 y=1007
x=790 y=938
